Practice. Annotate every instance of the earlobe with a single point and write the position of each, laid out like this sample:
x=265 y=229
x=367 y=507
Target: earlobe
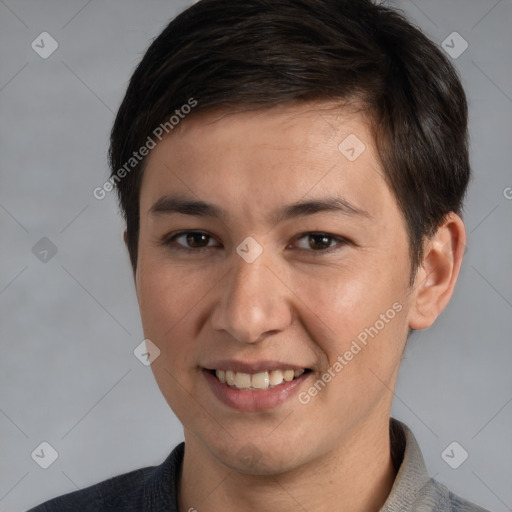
x=438 y=273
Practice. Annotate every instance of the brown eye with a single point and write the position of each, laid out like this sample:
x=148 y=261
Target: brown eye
x=319 y=242
x=190 y=240
x=197 y=239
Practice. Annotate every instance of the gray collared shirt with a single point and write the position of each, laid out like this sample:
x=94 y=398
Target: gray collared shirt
x=413 y=489
x=154 y=489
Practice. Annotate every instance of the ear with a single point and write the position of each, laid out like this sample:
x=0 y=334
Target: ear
x=438 y=272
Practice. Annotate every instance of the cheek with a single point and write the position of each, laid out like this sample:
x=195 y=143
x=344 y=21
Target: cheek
x=350 y=296
x=360 y=325
x=359 y=314
x=169 y=300
x=169 y=306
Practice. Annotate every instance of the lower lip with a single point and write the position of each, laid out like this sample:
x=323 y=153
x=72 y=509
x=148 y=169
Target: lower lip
x=247 y=400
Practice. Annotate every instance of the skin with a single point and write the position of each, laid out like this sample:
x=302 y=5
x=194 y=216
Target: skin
x=296 y=303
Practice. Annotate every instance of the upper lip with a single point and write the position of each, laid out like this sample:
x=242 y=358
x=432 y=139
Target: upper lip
x=252 y=367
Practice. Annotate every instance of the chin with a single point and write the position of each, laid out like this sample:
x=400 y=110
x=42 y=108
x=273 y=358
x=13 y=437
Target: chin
x=258 y=457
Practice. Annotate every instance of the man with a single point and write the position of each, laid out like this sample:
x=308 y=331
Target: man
x=292 y=177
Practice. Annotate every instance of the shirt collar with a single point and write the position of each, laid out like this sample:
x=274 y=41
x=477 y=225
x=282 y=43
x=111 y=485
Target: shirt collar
x=412 y=489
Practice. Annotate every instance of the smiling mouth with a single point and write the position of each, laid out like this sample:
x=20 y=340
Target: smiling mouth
x=257 y=381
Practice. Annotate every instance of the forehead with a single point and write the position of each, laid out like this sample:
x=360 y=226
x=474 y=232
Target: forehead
x=256 y=159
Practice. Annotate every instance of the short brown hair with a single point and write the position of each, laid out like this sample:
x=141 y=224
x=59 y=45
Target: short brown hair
x=258 y=54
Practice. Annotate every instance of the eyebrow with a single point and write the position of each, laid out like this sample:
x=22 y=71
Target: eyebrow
x=175 y=204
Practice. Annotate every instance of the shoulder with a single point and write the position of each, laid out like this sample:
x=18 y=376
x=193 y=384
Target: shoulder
x=451 y=502
x=151 y=488
x=413 y=489
x=123 y=489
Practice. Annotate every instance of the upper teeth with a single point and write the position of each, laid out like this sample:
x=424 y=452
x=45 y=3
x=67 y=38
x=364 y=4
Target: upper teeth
x=262 y=380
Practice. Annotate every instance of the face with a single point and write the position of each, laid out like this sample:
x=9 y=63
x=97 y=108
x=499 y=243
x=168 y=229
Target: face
x=271 y=249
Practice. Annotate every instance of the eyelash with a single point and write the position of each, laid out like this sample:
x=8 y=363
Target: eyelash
x=169 y=241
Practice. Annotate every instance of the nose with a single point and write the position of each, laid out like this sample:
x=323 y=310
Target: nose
x=254 y=302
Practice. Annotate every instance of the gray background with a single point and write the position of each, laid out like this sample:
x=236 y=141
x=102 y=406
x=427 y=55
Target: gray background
x=69 y=325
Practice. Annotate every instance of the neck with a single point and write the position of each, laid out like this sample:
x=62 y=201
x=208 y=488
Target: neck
x=356 y=475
